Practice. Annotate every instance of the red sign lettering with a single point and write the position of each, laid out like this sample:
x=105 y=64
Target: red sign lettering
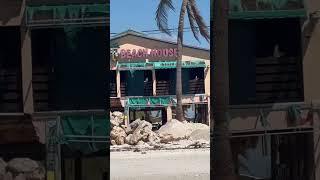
x=153 y=53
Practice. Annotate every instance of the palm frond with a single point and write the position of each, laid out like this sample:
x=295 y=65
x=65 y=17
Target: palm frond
x=200 y=21
x=162 y=15
x=192 y=21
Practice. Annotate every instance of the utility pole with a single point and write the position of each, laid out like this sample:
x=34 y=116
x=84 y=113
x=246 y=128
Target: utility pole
x=222 y=158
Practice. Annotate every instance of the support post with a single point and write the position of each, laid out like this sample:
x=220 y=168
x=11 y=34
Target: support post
x=58 y=154
x=169 y=113
x=26 y=68
x=154 y=83
x=118 y=82
x=127 y=116
x=208 y=112
x=316 y=140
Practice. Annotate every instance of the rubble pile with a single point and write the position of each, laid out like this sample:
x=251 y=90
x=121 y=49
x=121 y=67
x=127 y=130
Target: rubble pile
x=139 y=132
x=21 y=169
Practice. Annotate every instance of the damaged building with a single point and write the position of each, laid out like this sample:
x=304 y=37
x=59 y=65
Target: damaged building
x=273 y=88
x=143 y=73
x=52 y=84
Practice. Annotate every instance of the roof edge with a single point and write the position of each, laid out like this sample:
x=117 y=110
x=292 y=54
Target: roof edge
x=139 y=34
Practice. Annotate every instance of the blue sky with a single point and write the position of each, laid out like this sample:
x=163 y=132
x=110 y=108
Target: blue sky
x=139 y=15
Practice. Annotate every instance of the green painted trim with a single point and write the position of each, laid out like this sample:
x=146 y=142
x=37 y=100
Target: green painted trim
x=160 y=65
x=268 y=14
x=73 y=10
x=156 y=101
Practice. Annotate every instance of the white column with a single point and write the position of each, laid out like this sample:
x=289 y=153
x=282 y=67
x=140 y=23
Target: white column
x=118 y=83
x=208 y=117
x=26 y=67
x=169 y=113
x=154 y=83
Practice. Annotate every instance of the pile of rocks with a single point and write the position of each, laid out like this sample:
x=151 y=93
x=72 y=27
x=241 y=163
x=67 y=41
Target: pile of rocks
x=139 y=132
x=21 y=169
x=136 y=133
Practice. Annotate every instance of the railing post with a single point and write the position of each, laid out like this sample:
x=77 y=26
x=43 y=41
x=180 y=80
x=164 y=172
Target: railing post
x=118 y=82
x=154 y=83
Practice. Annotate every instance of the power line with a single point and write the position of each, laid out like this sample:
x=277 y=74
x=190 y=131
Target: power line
x=157 y=31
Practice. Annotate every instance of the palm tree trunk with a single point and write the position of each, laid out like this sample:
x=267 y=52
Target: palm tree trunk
x=223 y=165
x=179 y=110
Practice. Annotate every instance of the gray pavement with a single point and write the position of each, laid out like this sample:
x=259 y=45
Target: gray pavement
x=188 y=164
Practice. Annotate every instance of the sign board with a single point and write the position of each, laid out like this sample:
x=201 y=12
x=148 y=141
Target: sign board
x=128 y=54
x=145 y=53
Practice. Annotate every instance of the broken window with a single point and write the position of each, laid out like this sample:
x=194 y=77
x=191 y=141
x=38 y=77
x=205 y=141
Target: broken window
x=166 y=82
x=69 y=68
x=136 y=83
x=265 y=61
x=10 y=70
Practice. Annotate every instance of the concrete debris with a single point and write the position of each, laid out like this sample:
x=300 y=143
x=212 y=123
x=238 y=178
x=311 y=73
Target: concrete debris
x=153 y=138
x=38 y=174
x=166 y=138
x=8 y=176
x=3 y=165
x=134 y=124
x=200 y=134
x=22 y=169
x=113 y=142
x=118 y=135
x=196 y=126
x=20 y=177
x=139 y=133
x=22 y=165
x=178 y=130
x=116 y=118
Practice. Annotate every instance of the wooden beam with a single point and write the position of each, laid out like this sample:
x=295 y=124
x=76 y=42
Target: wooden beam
x=26 y=65
x=154 y=82
x=118 y=82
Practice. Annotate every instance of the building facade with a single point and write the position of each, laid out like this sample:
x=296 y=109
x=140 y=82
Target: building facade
x=50 y=56
x=143 y=77
x=273 y=90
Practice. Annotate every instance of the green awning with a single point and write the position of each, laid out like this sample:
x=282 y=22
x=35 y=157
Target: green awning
x=268 y=14
x=67 y=12
x=159 y=101
x=185 y=64
x=160 y=65
x=84 y=132
x=134 y=66
x=266 y=9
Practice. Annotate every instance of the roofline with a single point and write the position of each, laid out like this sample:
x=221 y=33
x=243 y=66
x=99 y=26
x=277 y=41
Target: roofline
x=156 y=39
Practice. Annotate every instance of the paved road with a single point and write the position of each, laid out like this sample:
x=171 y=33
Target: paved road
x=161 y=165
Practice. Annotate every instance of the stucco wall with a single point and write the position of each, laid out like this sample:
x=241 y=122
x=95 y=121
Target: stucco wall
x=10 y=12
x=189 y=54
x=130 y=41
x=311 y=61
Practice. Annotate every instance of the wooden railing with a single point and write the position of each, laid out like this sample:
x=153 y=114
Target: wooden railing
x=40 y=81
x=278 y=80
x=11 y=91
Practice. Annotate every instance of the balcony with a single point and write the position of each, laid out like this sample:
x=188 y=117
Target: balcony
x=46 y=14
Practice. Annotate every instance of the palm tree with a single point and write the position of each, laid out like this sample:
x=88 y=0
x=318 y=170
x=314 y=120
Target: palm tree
x=222 y=156
x=197 y=25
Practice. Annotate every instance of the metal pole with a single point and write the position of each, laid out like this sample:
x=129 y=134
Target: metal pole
x=58 y=167
x=92 y=125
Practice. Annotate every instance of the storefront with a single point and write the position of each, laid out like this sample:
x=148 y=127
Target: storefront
x=143 y=77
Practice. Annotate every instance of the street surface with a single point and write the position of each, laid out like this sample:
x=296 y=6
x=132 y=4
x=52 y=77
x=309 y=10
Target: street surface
x=188 y=164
